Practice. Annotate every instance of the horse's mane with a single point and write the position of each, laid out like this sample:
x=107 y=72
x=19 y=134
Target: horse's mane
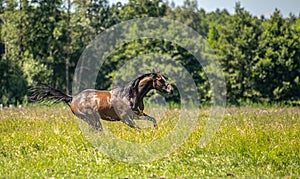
x=132 y=86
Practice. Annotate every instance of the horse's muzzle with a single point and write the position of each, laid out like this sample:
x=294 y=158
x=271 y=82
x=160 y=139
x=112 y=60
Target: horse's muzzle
x=169 y=89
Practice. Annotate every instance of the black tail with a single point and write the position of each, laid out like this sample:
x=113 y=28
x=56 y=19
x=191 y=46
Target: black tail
x=44 y=92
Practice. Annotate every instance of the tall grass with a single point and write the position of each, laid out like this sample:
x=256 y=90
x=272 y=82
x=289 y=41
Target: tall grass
x=251 y=142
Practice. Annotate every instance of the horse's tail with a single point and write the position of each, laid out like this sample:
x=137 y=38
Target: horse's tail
x=44 y=92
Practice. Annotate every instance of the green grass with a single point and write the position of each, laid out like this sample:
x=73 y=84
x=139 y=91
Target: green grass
x=251 y=142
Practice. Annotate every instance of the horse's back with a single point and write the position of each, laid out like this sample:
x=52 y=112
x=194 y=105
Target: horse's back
x=90 y=98
x=94 y=101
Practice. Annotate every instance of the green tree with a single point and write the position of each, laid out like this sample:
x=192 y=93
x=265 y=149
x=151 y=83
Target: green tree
x=89 y=19
x=277 y=72
x=190 y=15
x=143 y=8
x=14 y=34
x=235 y=44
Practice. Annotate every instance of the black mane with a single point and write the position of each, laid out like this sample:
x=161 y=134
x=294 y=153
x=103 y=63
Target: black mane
x=130 y=88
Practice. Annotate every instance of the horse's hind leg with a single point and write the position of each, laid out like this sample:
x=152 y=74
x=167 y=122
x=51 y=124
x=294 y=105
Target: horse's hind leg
x=92 y=118
x=95 y=121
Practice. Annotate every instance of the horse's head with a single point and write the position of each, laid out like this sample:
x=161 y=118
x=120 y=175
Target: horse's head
x=161 y=84
x=140 y=86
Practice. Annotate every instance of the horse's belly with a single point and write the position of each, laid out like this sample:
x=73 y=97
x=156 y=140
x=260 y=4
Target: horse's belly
x=109 y=115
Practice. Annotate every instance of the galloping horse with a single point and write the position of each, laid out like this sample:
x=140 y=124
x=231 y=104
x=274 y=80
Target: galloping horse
x=120 y=104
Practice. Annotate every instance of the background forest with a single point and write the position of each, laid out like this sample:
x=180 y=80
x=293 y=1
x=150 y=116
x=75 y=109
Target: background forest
x=42 y=41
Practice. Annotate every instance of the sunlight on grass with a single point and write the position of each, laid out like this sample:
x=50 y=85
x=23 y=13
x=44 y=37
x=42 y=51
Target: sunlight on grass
x=253 y=142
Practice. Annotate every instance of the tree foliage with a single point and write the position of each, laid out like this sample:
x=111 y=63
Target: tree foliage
x=42 y=41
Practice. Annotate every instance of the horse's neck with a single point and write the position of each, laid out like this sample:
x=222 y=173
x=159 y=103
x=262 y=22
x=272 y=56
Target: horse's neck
x=143 y=91
x=144 y=87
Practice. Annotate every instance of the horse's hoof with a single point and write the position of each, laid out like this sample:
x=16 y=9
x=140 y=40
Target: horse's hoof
x=99 y=129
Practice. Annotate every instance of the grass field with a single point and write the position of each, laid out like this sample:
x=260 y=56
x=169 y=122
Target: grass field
x=251 y=142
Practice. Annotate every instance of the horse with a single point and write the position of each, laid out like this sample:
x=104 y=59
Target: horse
x=119 y=104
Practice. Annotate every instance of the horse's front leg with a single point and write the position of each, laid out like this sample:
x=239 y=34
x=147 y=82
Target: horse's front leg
x=143 y=116
x=124 y=112
x=128 y=119
x=149 y=118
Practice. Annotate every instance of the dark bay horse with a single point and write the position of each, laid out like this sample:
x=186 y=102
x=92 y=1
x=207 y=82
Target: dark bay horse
x=120 y=104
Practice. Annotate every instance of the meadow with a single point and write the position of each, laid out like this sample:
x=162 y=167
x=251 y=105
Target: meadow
x=43 y=142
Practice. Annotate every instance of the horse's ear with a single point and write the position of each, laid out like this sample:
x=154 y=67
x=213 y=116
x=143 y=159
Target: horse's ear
x=153 y=75
x=153 y=71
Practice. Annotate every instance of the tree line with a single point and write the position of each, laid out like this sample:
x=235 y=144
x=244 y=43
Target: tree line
x=42 y=41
